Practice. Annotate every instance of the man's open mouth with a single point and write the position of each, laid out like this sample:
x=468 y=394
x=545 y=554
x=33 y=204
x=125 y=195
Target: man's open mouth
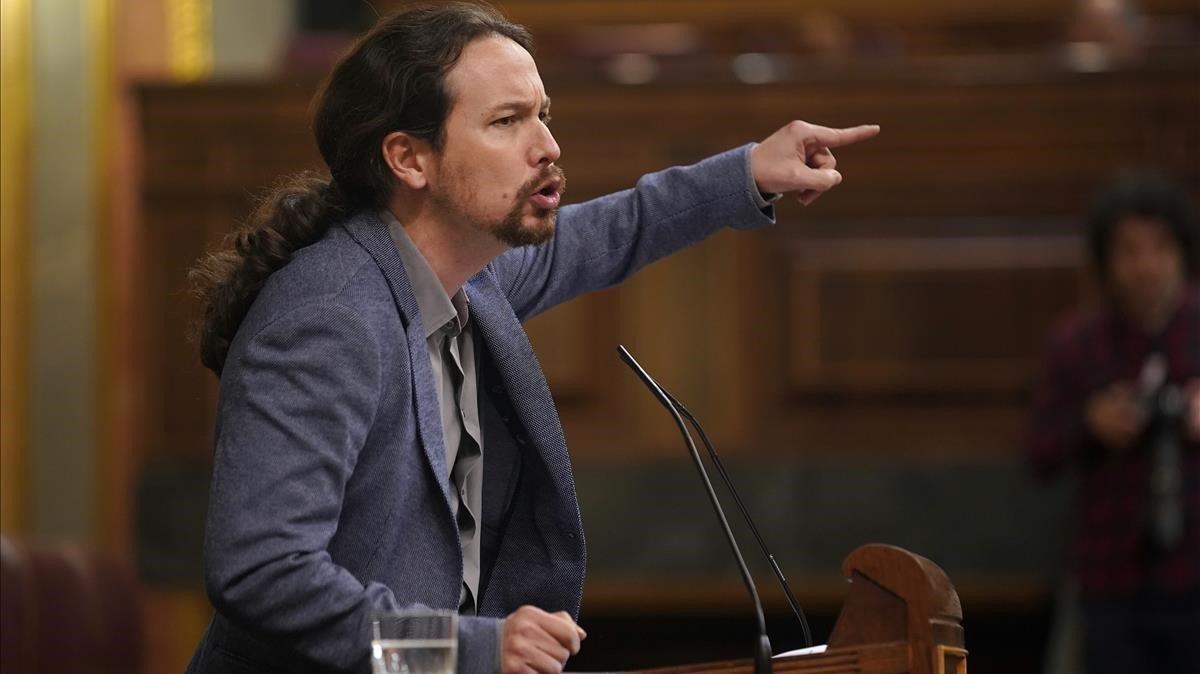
x=549 y=195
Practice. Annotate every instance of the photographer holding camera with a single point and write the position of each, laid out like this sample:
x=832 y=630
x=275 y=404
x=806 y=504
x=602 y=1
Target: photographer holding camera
x=1119 y=401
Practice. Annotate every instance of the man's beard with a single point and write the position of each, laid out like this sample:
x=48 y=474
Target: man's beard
x=512 y=232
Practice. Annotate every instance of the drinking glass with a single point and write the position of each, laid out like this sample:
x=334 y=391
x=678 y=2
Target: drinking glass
x=414 y=641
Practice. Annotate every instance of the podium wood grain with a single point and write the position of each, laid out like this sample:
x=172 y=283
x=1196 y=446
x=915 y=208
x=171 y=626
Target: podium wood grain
x=902 y=616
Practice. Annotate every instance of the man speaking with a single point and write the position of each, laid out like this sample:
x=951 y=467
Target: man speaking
x=385 y=437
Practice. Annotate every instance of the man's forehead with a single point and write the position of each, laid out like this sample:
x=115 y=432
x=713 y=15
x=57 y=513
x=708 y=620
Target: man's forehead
x=495 y=71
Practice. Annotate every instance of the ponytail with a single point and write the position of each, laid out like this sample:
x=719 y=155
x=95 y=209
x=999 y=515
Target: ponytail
x=295 y=214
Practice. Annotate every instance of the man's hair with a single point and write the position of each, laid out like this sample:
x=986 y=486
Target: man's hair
x=392 y=79
x=1149 y=196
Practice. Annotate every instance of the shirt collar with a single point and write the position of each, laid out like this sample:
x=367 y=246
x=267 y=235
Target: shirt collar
x=439 y=312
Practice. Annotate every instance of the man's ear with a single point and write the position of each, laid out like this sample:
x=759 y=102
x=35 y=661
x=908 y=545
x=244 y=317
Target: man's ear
x=408 y=158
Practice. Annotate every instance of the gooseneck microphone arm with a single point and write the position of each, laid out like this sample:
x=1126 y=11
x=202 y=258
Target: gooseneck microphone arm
x=762 y=544
x=762 y=650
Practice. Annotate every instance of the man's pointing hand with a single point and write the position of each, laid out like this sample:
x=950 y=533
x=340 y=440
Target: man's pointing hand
x=797 y=158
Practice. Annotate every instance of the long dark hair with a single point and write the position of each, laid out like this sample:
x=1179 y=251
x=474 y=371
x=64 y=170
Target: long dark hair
x=391 y=79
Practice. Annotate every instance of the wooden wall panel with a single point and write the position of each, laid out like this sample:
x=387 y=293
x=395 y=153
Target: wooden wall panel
x=225 y=140
x=182 y=404
x=854 y=328
x=945 y=315
x=910 y=302
x=988 y=145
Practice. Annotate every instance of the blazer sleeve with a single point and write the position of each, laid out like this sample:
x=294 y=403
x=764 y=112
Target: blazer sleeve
x=297 y=402
x=601 y=242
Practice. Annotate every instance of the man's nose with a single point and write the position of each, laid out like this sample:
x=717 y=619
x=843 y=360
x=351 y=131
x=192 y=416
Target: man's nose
x=546 y=150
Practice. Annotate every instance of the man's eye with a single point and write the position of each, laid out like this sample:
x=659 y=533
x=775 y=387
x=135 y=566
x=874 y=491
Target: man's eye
x=505 y=121
x=545 y=117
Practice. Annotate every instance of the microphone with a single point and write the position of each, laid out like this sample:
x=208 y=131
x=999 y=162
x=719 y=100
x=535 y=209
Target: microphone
x=762 y=544
x=762 y=649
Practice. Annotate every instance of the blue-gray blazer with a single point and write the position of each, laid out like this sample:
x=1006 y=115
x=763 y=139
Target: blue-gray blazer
x=329 y=479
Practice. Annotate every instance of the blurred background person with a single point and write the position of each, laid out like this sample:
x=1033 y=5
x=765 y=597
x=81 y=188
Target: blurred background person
x=1119 y=402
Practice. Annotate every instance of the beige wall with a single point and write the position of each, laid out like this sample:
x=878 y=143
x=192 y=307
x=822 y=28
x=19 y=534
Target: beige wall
x=249 y=38
x=14 y=225
x=64 y=270
x=69 y=164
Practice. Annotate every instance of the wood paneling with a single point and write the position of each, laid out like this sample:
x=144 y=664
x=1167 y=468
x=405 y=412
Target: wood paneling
x=934 y=315
x=901 y=313
x=981 y=144
x=898 y=316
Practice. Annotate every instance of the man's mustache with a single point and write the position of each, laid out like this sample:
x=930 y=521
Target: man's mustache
x=534 y=185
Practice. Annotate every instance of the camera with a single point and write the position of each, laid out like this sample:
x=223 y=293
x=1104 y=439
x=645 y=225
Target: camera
x=1164 y=405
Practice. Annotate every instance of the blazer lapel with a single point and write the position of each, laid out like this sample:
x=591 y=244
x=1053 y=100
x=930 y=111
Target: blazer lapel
x=373 y=235
x=522 y=377
x=556 y=503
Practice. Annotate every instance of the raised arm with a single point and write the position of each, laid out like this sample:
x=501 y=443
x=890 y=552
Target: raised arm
x=601 y=242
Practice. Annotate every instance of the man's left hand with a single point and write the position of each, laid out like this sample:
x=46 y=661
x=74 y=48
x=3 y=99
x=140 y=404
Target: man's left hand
x=797 y=158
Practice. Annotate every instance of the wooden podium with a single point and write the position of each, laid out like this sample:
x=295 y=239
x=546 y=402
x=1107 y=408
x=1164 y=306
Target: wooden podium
x=902 y=616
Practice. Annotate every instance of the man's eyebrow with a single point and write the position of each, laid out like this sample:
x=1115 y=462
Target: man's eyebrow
x=517 y=105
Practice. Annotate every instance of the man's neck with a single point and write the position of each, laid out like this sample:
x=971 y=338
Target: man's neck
x=454 y=251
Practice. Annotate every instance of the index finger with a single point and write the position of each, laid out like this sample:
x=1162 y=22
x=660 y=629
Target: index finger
x=839 y=137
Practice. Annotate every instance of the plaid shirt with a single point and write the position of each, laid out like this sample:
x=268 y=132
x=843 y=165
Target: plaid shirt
x=1087 y=352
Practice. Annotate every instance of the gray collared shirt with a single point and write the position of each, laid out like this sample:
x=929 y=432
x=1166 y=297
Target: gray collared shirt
x=449 y=319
